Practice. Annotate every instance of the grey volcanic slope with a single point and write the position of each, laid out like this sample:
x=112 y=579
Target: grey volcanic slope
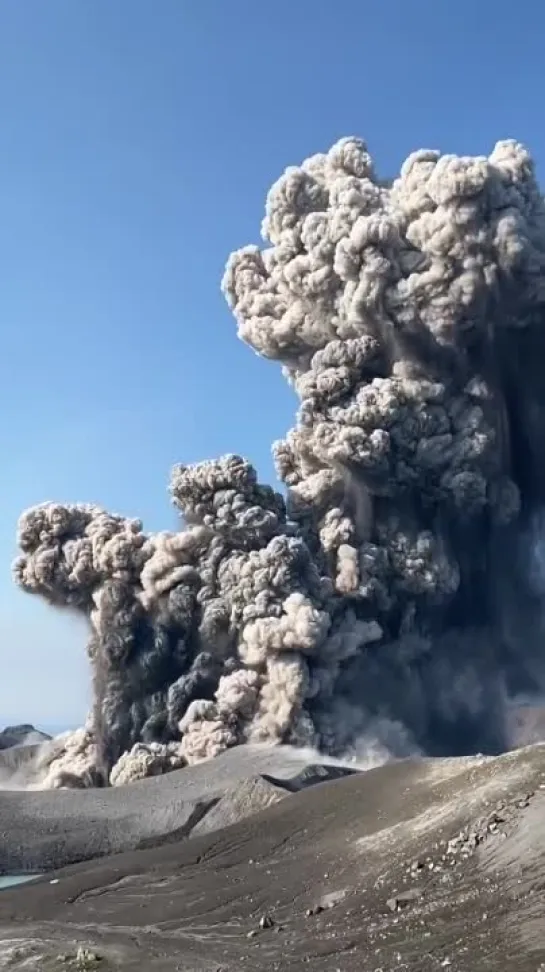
x=23 y=735
x=44 y=829
x=414 y=866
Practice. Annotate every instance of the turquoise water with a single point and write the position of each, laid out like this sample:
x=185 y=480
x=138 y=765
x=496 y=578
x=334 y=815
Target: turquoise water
x=6 y=880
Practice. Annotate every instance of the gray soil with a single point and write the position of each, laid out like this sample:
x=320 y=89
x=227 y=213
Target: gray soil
x=425 y=865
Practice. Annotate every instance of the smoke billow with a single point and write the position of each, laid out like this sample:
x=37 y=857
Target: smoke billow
x=387 y=594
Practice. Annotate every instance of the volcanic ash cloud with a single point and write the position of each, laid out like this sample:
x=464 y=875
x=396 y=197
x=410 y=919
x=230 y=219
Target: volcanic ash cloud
x=385 y=595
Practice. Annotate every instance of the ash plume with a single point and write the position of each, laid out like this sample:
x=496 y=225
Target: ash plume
x=389 y=595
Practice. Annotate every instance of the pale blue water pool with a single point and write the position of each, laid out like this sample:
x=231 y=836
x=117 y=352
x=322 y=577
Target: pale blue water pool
x=7 y=880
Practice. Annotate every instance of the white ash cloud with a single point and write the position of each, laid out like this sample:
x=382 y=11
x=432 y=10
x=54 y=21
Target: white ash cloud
x=387 y=592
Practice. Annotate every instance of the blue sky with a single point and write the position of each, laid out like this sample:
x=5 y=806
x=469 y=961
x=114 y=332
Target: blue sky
x=137 y=142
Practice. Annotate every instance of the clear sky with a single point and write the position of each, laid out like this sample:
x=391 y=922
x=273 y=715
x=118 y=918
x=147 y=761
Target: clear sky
x=138 y=139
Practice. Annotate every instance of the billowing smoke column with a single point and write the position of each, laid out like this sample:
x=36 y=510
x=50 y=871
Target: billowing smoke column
x=387 y=595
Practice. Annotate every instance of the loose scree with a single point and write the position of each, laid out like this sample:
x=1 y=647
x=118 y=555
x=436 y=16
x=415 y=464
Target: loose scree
x=392 y=594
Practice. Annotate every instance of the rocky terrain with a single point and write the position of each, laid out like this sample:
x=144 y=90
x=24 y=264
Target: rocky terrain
x=420 y=865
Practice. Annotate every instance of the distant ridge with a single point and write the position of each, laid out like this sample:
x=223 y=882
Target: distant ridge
x=24 y=734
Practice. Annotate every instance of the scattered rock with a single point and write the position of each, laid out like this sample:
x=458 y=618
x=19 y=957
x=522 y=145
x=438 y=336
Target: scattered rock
x=266 y=921
x=316 y=910
x=404 y=898
x=86 y=959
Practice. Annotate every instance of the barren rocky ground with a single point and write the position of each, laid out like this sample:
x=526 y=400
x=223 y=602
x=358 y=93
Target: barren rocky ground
x=423 y=865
